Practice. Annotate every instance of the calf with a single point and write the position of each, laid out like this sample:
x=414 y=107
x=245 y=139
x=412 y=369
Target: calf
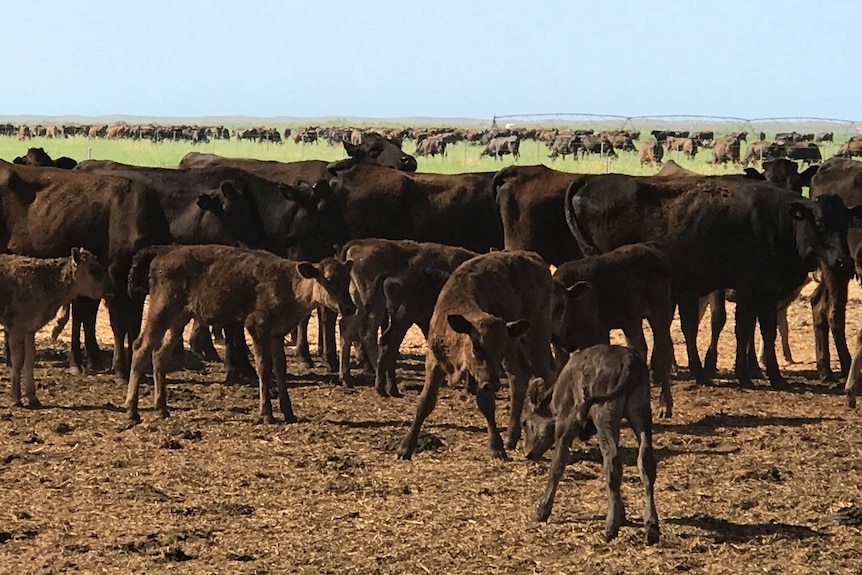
x=372 y=257
x=225 y=285
x=409 y=296
x=31 y=292
x=597 y=387
x=484 y=308
x=629 y=284
x=650 y=152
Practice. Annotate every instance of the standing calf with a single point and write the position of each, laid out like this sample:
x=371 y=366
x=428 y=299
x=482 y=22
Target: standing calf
x=597 y=387
x=31 y=292
x=225 y=285
x=485 y=307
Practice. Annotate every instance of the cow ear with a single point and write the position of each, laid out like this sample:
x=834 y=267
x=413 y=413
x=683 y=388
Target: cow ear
x=517 y=328
x=753 y=174
x=307 y=270
x=209 y=203
x=287 y=192
x=800 y=211
x=579 y=289
x=460 y=324
x=855 y=214
x=352 y=150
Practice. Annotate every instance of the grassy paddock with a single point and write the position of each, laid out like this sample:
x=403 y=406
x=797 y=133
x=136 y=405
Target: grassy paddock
x=459 y=158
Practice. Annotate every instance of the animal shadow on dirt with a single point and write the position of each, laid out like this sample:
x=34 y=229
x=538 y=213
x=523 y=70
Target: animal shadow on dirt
x=708 y=424
x=724 y=531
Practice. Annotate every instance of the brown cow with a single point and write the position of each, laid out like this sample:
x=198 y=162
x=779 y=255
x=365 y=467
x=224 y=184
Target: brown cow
x=850 y=149
x=31 y=292
x=650 y=152
x=484 y=308
x=629 y=284
x=225 y=285
x=596 y=389
x=726 y=149
x=372 y=257
x=688 y=146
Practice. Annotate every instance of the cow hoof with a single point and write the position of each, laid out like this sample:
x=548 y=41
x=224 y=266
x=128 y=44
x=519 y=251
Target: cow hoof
x=611 y=534
x=290 y=418
x=404 y=455
x=827 y=376
x=18 y=403
x=381 y=391
x=541 y=515
x=133 y=420
x=652 y=534
x=500 y=454
x=75 y=370
x=34 y=403
x=778 y=383
x=746 y=383
x=665 y=413
x=393 y=392
x=164 y=414
x=850 y=401
x=346 y=382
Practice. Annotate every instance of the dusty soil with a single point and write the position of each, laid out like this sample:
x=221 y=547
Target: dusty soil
x=748 y=480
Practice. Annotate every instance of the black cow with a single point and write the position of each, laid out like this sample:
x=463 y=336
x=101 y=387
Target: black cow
x=720 y=232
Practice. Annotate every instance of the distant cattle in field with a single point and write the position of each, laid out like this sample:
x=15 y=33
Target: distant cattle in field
x=662 y=135
x=431 y=146
x=38 y=157
x=726 y=149
x=688 y=146
x=502 y=145
x=703 y=137
x=824 y=137
x=807 y=152
x=650 y=152
x=596 y=145
x=563 y=145
x=849 y=149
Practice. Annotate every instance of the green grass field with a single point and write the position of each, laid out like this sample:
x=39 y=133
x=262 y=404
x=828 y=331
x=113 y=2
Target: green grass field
x=459 y=158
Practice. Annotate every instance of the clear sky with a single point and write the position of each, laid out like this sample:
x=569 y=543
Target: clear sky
x=442 y=58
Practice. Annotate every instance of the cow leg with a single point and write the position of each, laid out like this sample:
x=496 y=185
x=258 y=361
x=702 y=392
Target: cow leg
x=717 y=321
x=279 y=366
x=838 y=285
x=854 y=378
x=820 y=301
x=16 y=353
x=349 y=329
x=518 y=367
x=326 y=321
x=119 y=314
x=661 y=361
x=29 y=365
x=688 y=312
x=261 y=344
x=302 y=352
x=767 y=315
x=565 y=431
x=641 y=423
x=161 y=358
x=485 y=402
x=608 y=430
x=784 y=333
x=434 y=377
x=159 y=320
x=201 y=343
x=83 y=312
x=238 y=368
x=390 y=342
x=745 y=318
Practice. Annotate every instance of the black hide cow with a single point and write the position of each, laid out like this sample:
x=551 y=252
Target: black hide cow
x=720 y=232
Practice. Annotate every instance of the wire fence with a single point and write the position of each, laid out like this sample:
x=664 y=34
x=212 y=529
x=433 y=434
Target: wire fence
x=690 y=122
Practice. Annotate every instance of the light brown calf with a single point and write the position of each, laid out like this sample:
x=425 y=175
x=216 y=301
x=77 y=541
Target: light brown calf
x=31 y=292
x=225 y=285
x=597 y=388
x=494 y=312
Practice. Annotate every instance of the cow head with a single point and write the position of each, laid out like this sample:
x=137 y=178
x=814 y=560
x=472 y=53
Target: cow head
x=821 y=230
x=375 y=149
x=331 y=283
x=575 y=323
x=320 y=224
x=784 y=173
x=539 y=425
x=88 y=276
x=489 y=342
x=236 y=215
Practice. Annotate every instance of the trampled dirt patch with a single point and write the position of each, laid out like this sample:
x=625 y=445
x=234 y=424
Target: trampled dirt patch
x=749 y=481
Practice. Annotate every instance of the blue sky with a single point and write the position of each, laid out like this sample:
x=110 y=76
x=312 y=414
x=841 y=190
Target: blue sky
x=447 y=58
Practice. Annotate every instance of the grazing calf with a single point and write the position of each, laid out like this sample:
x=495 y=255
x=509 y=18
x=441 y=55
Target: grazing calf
x=596 y=389
x=371 y=257
x=31 y=292
x=225 y=285
x=484 y=308
x=629 y=284
x=408 y=296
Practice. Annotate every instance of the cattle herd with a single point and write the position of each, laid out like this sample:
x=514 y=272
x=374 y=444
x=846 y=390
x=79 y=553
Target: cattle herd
x=257 y=246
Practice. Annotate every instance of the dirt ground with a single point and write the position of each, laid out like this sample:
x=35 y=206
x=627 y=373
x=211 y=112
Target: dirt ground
x=748 y=480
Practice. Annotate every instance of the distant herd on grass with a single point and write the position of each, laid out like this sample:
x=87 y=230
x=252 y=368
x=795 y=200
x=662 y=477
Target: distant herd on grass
x=495 y=142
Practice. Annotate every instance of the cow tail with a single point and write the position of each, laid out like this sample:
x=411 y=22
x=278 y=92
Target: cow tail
x=586 y=246
x=376 y=298
x=139 y=273
x=617 y=391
